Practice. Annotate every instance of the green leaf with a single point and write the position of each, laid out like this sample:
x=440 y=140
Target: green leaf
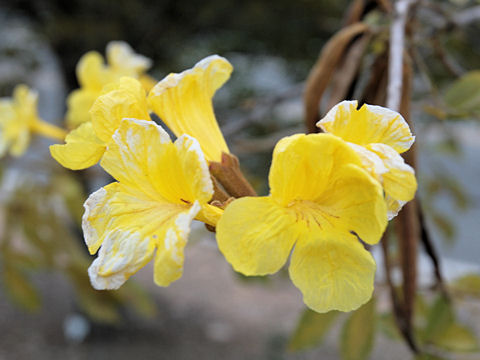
x=439 y=318
x=311 y=329
x=358 y=333
x=388 y=327
x=444 y=224
x=468 y=284
x=457 y=338
x=463 y=96
x=20 y=289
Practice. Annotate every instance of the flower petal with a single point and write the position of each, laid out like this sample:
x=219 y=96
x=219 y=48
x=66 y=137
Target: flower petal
x=122 y=58
x=332 y=273
x=79 y=103
x=302 y=165
x=184 y=102
x=399 y=182
x=128 y=225
x=122 y=254
x=169 y=258
x=141 y=155
x=353 y=203
x=256 y=235
x=81 y=150
x=92 y=73
x=124 y=98
x=369 y=124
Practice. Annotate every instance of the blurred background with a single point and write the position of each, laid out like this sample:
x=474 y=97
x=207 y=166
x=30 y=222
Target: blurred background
x=48 y=309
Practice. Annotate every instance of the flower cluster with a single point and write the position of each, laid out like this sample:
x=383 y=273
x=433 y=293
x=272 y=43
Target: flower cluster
x=330 y=193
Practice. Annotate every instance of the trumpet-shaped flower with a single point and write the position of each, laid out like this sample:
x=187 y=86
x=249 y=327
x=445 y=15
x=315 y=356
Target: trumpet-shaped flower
x=161 y=187
x=19 y=118
x=184 y=103
x=321 y=201
x=93 y=74
x=85 y=145
x=378 y=135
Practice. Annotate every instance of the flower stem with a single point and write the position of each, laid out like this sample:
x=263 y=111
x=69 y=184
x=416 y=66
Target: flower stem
x=48 y=130
x=228 y=174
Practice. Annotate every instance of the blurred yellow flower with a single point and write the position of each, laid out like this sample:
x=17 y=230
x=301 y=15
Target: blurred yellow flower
x=184 y=103
x=93 y=74
x=321 y=202
x=19 y=119
x=378 y=135
x=84 y=146
x=161 y=187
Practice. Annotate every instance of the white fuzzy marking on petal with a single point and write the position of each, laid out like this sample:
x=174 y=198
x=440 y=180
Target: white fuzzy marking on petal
x=94 y=200
x=371 y=161
x=391 y=158
x=192 y=145
x=330 y=117
x=172 y=80
x=121 y=255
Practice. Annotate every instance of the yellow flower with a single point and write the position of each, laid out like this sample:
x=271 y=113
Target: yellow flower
x=184 y=103
x=93 y=74
x=161 y=187
x=85 y=145
x=378 y=135
x=320 y=201
x=19 y=118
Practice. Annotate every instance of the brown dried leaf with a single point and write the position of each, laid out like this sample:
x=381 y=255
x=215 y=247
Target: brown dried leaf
x=322 y=71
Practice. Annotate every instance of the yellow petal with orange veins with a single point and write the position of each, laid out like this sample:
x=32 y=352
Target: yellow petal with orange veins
x=333 y=273
x=367 y=125
x=124 y=98
x=353 y=203
x=256 y=235
x=302 y=165
x=184 y=103
x=81 y=150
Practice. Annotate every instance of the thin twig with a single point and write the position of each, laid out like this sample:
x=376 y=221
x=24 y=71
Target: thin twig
x=397 y=308
x=431 y=252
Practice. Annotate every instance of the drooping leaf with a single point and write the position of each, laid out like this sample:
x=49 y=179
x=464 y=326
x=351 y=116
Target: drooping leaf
x=440 y=317
x=387 y=326
x=463 y=96
x=457 y=337
x=468 y=284
x=20 y=289
x=358 y=333
x=444 y=224
x=311 y=329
